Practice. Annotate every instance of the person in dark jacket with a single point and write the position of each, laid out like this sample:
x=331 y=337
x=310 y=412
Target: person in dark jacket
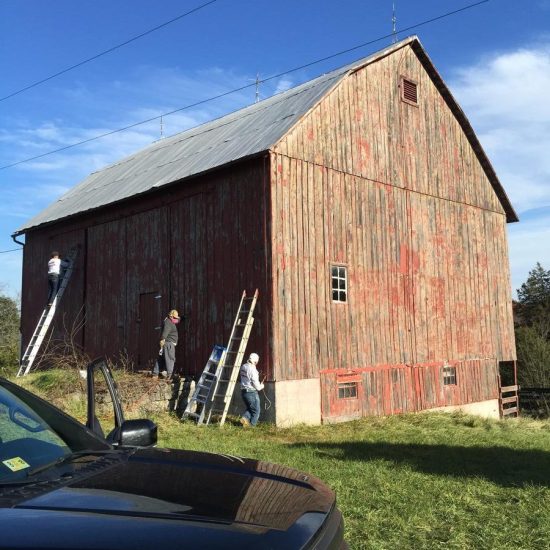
x=168 y=343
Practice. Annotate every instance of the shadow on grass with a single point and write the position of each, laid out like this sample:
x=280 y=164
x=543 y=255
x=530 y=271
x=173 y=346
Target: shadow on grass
x=500 y=465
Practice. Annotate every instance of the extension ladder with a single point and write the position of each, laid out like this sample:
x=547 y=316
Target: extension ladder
x=46 y=318
x=214 y=390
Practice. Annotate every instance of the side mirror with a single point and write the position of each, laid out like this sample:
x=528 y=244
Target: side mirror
x=92 y=422
x=132 y=433
x=138 y=433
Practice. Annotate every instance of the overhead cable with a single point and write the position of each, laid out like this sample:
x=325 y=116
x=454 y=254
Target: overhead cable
x=244 y=87
x=94 y=57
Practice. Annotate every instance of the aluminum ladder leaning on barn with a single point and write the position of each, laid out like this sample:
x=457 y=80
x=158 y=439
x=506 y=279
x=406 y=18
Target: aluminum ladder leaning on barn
x=214 y=390
x=196 y=406
x=46 y=318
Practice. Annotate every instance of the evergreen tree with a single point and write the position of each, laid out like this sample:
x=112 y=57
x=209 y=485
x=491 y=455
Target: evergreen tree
x=533 y=332
x=534 y=299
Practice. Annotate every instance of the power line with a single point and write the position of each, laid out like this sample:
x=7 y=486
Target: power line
x=244 y=87
x=34 y=84
x=12 y=250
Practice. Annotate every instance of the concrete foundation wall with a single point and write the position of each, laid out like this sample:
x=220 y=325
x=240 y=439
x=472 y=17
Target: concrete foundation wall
x=486 y=409
x=292 y=402
x=284 y=403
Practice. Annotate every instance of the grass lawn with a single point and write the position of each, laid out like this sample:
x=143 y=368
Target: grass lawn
x=404 y=482
x=413 y=481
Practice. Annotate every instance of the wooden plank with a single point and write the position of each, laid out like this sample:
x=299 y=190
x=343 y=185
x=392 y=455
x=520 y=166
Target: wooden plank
x=506 y=400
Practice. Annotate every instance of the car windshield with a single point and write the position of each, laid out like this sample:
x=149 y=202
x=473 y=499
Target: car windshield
x=26 y=441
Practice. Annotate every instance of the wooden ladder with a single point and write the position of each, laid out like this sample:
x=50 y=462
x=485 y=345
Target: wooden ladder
x=508 y=399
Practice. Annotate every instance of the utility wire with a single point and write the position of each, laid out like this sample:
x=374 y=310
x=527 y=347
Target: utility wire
x=12 y=250
x=229 y=92
x=129 y=41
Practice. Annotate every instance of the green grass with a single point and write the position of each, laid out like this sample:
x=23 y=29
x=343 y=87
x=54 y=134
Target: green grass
x=414 y=481
x=422 y=481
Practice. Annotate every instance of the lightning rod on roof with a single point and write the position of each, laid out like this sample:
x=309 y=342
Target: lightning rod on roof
x=257 y=88
x=394 y=21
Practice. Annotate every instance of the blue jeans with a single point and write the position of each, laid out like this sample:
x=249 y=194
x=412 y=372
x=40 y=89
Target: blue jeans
x=53 y=286
x=252 y=401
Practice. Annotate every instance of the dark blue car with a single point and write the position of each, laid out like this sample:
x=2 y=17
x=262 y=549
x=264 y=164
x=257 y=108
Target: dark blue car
x=65 y=485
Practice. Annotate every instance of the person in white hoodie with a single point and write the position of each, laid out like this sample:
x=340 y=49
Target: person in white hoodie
x=250 y=386
x=55 y=264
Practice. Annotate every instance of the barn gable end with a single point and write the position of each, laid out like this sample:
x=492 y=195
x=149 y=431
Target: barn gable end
x=363 y=127
x=397 y=194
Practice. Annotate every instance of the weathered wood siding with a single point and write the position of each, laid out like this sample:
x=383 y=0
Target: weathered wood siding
x=396 y=193
x=363 y=128
x=395 y=389
x=195 y=248
x=427 y=278
x=105 y=298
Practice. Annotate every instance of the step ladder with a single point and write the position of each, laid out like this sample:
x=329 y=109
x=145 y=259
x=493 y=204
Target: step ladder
x=196 y=406
x=214 y=390
x=46 y=318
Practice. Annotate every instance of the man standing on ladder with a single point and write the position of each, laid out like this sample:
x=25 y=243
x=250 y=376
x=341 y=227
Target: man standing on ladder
x=54 y=269
x=250 y=386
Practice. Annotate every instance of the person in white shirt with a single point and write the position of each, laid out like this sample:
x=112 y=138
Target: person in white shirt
x=250 y=385
x=55 y=264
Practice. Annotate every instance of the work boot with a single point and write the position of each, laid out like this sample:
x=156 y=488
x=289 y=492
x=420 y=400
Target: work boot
x=244 y=422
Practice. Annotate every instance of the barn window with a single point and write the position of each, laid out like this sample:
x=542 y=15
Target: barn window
x=347 y=390
x=449 y=376
x=339 y=278
x=409 y=91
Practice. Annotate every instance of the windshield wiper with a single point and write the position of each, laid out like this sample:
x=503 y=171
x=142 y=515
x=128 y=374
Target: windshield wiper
x=58 y=461
x=67 y=458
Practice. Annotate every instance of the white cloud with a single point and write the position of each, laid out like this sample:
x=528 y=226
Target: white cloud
x=10 y=267
x=283 y=84
x=528 y=242
x=505 y=96
x=506 y=99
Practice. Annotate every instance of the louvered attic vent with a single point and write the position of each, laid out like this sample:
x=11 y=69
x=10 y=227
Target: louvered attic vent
x=409 y=91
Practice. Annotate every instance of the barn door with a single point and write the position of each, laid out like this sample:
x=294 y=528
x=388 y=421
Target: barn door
x=147 y=270
x=149 y=327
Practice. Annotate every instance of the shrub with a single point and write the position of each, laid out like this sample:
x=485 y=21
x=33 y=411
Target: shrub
x=9 y=335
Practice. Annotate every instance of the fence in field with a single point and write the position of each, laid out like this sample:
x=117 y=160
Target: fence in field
x=535 y=401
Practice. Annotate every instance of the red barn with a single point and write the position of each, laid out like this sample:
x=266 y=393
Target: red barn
x=361 y=205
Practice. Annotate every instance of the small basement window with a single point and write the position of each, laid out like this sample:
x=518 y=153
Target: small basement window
x=409 y=91
x=347 y=390
x=339 y=281
x=449 y=376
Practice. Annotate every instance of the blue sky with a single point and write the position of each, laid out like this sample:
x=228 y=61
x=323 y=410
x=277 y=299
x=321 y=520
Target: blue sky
x=495 y=58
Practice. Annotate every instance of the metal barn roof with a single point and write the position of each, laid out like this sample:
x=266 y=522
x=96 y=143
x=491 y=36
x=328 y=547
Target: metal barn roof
x=239 y=135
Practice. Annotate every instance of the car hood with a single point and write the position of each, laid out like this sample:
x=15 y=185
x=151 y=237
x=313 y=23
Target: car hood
x=212 y=497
